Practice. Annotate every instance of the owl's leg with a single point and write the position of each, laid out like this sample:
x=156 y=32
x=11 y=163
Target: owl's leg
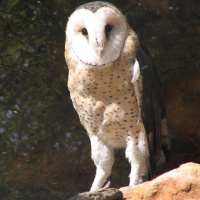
x=103 y=157
x=138 y=157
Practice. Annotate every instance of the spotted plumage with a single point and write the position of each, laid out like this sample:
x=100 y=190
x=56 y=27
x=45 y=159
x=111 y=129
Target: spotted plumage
x=115 y=90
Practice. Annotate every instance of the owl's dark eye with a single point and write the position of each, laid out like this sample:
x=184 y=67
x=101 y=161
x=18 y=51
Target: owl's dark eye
x=84 y=31
x=108 y=28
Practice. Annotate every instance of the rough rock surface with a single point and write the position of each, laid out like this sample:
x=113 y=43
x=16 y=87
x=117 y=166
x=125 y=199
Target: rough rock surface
x=178 y=184
x=102 y=194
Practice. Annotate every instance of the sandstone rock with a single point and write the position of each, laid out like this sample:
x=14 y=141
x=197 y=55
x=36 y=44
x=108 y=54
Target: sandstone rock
x=178 y=184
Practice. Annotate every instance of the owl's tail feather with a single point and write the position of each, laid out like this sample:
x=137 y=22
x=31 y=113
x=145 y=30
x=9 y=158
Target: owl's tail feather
x=181 y=144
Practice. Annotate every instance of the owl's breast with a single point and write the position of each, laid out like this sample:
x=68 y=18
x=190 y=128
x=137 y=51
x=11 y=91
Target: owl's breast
x=105 y=100
x=112 y=115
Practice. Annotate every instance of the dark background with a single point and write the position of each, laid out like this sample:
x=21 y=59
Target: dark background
x=44 y=151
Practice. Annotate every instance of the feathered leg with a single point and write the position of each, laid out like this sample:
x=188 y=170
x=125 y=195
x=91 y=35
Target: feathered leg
x=103 y=157
x=138 y=156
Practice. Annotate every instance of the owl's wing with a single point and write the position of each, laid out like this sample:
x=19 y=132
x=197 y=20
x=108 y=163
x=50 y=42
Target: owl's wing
x=161 y=136
x=152 y=108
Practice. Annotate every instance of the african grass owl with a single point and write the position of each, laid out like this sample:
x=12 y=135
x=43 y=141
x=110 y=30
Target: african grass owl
x=114 y=88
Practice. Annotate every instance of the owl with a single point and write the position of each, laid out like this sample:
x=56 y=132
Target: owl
x=115 y=90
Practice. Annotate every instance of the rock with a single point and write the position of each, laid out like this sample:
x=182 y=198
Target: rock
x=178 y=184
x=102 y=194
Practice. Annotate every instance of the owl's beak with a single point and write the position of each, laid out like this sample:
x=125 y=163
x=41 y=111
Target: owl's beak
x=100 y=41
x=99 y=52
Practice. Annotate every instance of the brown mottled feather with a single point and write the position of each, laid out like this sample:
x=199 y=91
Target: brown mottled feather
x=153 y=110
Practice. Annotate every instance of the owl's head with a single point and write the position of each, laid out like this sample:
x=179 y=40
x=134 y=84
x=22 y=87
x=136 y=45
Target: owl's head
x=96 y=32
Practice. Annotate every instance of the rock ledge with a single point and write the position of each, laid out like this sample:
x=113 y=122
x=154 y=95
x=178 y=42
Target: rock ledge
x=178 y=184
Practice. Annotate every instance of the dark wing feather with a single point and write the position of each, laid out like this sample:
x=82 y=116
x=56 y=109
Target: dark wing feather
x=153 y=109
